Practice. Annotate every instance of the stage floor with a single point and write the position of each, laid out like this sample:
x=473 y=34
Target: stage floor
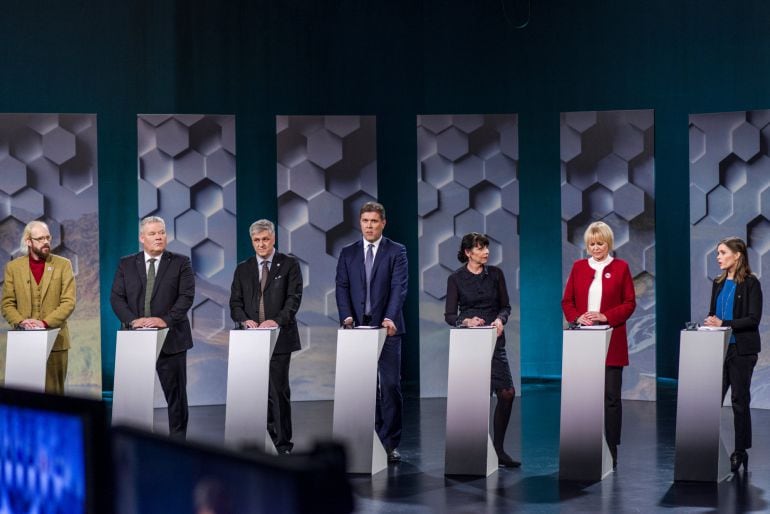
x=642 y=483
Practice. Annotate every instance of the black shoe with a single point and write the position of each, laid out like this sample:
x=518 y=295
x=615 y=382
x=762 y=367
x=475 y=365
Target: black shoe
x=284 y=451
x=394 y=456
x=737 y=458
x=505 y=461
x=614 y=453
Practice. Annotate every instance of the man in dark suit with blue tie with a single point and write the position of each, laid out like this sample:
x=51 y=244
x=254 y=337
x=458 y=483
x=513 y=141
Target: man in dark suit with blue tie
x=154 y=289
x=371 y=289
x=266 y=293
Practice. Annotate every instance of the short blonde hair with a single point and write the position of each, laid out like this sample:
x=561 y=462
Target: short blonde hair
x=598 y=230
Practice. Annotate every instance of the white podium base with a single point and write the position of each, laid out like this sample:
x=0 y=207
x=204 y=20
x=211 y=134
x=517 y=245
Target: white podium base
x=26 y=357
x=469 y=449
x=136 y=354
x=583 y=451
x=248 y=374
x=355 y=389
x=700 y=454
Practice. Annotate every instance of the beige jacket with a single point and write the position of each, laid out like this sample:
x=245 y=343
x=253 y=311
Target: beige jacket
x=57 y=295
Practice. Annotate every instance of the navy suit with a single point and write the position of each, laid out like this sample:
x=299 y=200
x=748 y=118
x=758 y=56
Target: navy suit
x=389 y=279
x=172 y=297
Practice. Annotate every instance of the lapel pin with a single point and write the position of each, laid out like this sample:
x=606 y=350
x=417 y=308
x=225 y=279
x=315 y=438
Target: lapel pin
x=50 y=268
x=607 y=275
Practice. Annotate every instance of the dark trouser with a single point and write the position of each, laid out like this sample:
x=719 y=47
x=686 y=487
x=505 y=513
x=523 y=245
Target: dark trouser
x=613 y=406
x=279 y=402
x=56 y=372
x=172 y=372
x=389 y=400
x=736 y=375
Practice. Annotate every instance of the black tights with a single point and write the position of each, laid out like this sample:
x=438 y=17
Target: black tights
x=502 y=415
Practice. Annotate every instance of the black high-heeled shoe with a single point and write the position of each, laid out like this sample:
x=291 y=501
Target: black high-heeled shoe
x=505 y=461
x=738 y=458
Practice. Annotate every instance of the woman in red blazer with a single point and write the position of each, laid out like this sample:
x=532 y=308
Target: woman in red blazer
x=600 y=290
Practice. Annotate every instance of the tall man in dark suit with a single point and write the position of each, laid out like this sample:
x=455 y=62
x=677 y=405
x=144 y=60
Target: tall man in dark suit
x=266 y=292
x=371 y=288
x=154 y=289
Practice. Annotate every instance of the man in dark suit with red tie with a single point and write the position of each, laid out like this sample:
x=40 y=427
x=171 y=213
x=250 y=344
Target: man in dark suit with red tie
x=266 y=292
x=154 y=289
x=371 y=289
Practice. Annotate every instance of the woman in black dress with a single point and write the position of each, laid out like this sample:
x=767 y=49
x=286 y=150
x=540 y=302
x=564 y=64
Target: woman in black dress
x=476 y=296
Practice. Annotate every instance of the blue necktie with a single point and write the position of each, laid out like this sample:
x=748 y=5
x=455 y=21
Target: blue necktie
x=368 y=263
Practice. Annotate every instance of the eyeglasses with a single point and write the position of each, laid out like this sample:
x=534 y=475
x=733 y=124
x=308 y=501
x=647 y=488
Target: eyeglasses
x=41 y=239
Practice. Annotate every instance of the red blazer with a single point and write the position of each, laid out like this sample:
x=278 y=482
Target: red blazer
x=618 y=302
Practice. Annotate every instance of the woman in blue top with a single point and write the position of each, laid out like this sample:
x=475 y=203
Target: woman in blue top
x=736 y=302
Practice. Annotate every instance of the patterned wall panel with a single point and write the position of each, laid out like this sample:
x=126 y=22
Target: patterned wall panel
x=730 y=196
x=187 y=177
x=467 y=182
x=327 y=169
x=607 y=174
x=48 y=171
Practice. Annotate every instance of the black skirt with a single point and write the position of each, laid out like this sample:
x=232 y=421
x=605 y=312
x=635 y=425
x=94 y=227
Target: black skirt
x=501 y=370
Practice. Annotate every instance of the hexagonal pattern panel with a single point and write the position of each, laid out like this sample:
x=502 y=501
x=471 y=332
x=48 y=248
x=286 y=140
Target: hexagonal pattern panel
x=607 y=174
x=49 y=173
x=187 y=177
x=327 y=168
x=730 y=196
x=471 y=163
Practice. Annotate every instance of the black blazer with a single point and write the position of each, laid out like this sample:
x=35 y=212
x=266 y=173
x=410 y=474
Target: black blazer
x=283 y=294
x=747 y=312
x=172 y=296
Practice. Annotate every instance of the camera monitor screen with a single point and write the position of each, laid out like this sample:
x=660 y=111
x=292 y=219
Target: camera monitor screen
x=49 y=453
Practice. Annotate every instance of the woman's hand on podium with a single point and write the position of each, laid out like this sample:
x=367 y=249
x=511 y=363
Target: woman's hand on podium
x=712 y=321
x=475 y=321
x=499 y=326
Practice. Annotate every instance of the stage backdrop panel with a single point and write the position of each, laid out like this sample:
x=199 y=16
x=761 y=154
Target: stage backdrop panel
x=467 y=182
x=730 y=196
x=327 y=169
x=187 y=177
x=608 y=174
x=48 y=172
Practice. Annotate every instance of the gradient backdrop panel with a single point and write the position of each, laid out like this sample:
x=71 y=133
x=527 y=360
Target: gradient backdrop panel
x=730 y=196
x=467 y=182
x=48 y=172
x=187 y=177
x=326 y=169
x=608 y=174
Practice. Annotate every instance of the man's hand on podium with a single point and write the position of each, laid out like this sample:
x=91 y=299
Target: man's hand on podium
x=31 y=324
x=148 y=323
x=268 y=323
x=390 y=326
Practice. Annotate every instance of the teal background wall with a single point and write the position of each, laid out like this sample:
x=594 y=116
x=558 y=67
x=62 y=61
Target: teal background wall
x=395 y=59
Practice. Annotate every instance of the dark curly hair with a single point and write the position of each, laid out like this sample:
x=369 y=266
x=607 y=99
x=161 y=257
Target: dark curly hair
x=469 y=242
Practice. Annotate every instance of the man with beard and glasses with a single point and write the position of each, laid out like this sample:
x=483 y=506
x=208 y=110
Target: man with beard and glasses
x=39 y=293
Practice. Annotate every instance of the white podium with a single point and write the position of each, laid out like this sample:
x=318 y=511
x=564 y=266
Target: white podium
x=248 y=373
x=700 y=453
x=136 y=354
x=583 y=451
x=355 y=396
x=469 y=449
x=26 y=357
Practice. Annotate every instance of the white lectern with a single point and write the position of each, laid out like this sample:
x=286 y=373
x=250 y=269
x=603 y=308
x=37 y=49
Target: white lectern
x=700 y=453
x=26 y=357
x=469 y=449
x=136 y=353
x=355 y=396
x=583 y=451
x=248 y=373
